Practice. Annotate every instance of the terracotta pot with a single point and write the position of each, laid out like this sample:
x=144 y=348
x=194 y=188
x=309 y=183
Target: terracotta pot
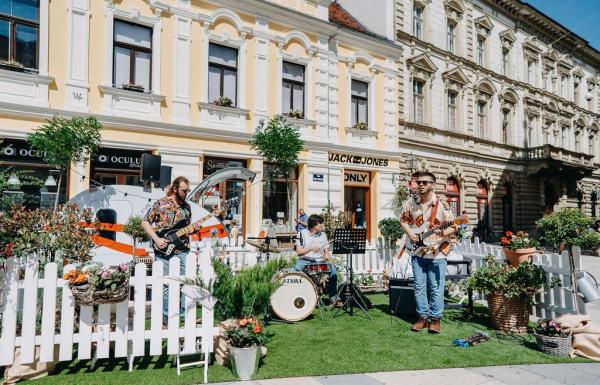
x=518 y=256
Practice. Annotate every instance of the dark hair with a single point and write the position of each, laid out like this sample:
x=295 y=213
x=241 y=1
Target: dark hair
x=425 y=173
x=314 y=220
x=175 y=185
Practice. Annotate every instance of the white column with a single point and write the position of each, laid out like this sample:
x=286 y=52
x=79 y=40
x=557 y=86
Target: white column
x=77 y=86
x=261 y=99
x=182 y=63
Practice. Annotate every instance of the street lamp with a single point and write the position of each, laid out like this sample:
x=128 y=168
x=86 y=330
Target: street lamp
x=14 y=183
x=411 y=162
x=50 y=181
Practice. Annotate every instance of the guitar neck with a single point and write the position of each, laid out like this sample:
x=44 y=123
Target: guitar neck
x=191 y=228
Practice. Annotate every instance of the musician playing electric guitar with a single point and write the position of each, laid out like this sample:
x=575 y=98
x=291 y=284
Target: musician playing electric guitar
x=428 y=212
x=165 y=213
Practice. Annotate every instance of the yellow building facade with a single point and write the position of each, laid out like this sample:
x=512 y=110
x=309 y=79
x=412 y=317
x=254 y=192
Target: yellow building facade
x=151 y=72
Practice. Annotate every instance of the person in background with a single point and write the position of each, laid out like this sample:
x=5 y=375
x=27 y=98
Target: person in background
x=301 y=221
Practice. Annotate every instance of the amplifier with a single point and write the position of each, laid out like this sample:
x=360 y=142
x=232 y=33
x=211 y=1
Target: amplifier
x=402 y=297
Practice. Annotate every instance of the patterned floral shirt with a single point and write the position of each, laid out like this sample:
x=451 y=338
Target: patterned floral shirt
x=164 y=213
x=416 y=214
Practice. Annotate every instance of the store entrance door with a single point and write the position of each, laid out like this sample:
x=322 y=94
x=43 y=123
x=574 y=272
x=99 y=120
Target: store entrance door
x=357 y=199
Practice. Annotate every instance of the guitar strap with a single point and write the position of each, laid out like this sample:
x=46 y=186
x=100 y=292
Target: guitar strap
x=433 y=213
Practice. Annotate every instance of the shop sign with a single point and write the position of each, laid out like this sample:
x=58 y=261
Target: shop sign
x=358 y=160
x=15 y=150
x=317 y=177
x=356 y=178
x=118 y=159
x=212 y=165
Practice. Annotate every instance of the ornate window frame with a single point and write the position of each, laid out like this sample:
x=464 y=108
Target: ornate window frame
x=455 y=10
x=483 y=91
x=483 y=29
x=508 y=102
x=421 y=67
x=455 y=80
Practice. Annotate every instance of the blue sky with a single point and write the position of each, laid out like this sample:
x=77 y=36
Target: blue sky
x=580 y=16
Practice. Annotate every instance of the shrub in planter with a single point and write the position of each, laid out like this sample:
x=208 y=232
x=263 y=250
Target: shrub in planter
x=518 y=247
x=223 y=101
x=245 y=336
x=360 y=126
x=509 y=289
x=296 y=114
x=390 y=229
x=133 y=228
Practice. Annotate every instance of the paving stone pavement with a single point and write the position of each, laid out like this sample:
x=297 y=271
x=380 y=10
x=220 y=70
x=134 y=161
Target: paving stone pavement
x=550 y=374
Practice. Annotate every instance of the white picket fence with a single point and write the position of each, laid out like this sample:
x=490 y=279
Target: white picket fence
x=552 y=302
x=122 y=325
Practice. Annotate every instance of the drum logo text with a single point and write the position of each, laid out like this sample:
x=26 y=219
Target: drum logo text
x=292 y=280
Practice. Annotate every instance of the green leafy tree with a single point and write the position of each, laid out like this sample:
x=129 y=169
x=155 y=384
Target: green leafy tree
x=391 y=229
x=133 y=228
x=278 y=142
x=66 y=141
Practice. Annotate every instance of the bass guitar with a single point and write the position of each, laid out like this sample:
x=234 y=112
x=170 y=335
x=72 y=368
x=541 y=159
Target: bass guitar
x=176 y=235
x=427 y=238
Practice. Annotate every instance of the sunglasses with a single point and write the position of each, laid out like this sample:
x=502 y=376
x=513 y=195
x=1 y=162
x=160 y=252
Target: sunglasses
x=423 y=182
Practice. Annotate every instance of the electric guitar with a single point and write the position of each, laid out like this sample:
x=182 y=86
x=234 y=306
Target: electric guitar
x=176 y=235
x=426 y=237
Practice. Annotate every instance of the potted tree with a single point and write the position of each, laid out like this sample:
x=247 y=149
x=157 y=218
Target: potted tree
x=66 y=141
x=279 y=142
x=518 y=247
x=133 y=228
x=508 y=290
x=391 y=230
x=567 y=228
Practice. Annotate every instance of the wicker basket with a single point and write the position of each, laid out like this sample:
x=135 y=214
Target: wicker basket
x=556 y=346
x=508 y=314
x=87 y=295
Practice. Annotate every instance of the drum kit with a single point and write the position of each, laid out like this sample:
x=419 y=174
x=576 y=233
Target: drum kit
x=299 y=291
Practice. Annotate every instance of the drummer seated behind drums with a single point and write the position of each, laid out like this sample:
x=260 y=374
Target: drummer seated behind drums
x=312 y=247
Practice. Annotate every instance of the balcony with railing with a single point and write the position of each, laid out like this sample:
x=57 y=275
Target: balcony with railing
x=551 y=159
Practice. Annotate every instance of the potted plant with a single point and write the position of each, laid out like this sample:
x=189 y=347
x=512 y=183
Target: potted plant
x=94 y=284
x=509 y=289
x=551 y=339
x=518 y=247
x=567 y=228
x=245 y=337
x=223 y=101
x=296 y=114
x=133 y=228
x=391 y=230
x=133 y=87
x=360 y=126
x=12 y=65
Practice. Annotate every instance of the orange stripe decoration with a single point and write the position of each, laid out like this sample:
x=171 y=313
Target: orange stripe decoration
x=119 y=246
x=103 y=226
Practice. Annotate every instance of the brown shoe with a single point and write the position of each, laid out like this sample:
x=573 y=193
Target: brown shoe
x=435 y=326
x=420 y=324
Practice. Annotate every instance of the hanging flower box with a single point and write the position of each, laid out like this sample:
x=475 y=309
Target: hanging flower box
x=95 y=284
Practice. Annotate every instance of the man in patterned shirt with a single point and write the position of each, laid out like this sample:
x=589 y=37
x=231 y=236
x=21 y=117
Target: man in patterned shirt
x=424 y=212
x=164 y=213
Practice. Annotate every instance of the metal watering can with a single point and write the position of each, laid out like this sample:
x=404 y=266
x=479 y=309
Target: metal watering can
x=587 y=286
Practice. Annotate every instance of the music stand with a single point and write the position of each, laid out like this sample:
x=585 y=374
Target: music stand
x=349 y=242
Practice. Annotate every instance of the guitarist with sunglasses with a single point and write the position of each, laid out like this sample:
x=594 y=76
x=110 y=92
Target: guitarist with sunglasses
x=165 y=213
x=426 y=213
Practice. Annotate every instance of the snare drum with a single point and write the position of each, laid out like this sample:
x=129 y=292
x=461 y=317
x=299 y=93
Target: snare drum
x=317 y=268
x=295 y=298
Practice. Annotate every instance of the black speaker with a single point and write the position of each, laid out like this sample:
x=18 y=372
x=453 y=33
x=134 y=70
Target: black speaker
x=165 y=176
x=150 y=169
x=402 y=297
x=107 y=216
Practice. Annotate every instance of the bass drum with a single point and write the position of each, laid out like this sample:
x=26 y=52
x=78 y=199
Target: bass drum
x=295 y=298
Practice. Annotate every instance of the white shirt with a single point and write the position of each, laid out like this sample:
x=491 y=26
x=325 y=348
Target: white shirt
x=306 y=239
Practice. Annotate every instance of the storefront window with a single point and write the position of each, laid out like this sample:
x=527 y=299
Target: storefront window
x=280 y=198
x=29 y=165
x=356 y=198
x=482 y=203
x=117 y=166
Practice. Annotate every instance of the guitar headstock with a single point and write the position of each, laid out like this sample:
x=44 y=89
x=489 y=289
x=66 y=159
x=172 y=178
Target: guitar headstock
x=461 y=220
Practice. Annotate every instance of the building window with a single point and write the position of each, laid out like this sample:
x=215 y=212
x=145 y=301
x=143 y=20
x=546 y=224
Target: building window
x=565 y=137
x=481 y=51
x=418 y=100
x=505 y=125
x=591 y=141
x=19 y=32
x=576 y=93
x=482 y=204
x=531 y=72
x=222 y=72
x=132 y=55
x=451 y=37
x=452 y=98
x=292 y=84
x=280 y=198
x=481 y=116
x=418 y=22
x=545 y=80
x=578 y=140
x=453 y=195
x=360 y=101
x=505 y=61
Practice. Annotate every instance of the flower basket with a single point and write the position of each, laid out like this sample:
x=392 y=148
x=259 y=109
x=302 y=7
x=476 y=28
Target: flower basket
x=508 y=314
x=87 y=295
x=372 y=288
x=518 y=256
x=555 y=346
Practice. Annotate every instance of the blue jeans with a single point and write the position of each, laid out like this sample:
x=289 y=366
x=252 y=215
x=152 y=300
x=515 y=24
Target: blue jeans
x=430 y=276
x=331 y=285
x=182 y=257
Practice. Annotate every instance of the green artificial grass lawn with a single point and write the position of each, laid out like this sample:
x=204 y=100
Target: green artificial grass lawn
x=334 y=346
